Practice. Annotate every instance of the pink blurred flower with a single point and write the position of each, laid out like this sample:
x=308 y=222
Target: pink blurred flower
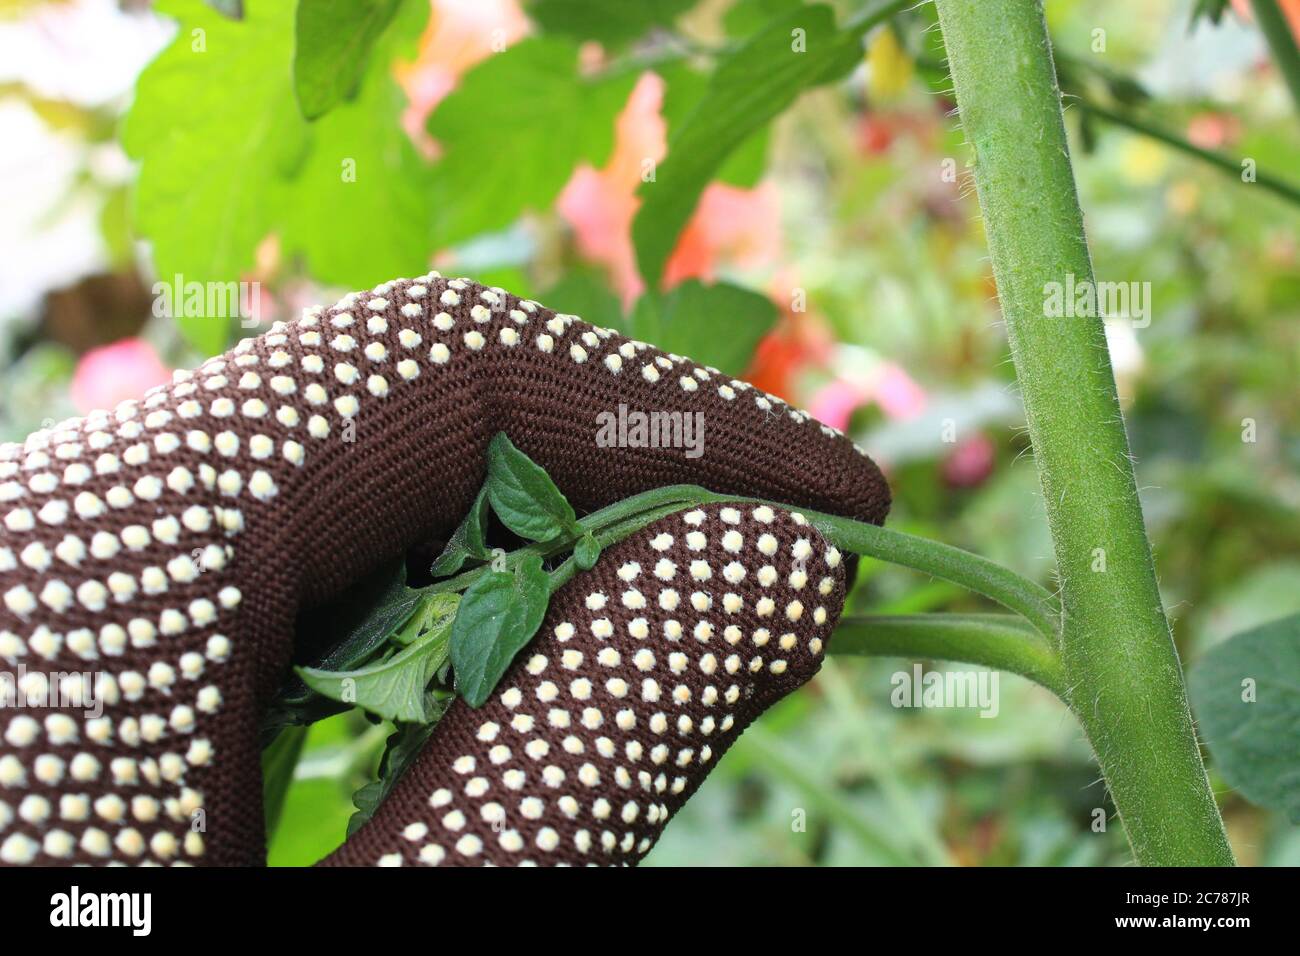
x=1213 y=130
x=970 y=462
x=738 y=226
x=887 y=384
x=834 y=404
x=116 y=372
x=460 y=34
x=897 y=393
x=600 y=204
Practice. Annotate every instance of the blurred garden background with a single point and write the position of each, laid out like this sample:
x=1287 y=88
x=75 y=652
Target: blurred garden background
x=835 y=257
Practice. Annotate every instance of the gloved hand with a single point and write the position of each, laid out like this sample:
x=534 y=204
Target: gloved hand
x=304 y=459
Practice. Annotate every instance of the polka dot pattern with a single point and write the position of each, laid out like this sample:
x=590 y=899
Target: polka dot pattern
x=154 y=556
x=633 y=690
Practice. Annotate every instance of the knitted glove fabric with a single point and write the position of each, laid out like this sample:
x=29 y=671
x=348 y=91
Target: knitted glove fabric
x=153 y=558
x=646 y=670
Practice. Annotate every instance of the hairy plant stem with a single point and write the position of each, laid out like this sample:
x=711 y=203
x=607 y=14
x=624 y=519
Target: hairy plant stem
x=1121 y=670
x=1025 y=645
x=971 y=571
x=1134 y=122
x=1000 y=641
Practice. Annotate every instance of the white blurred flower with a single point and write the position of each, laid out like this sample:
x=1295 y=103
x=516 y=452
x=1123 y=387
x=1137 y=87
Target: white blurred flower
x=49 y=233
x=86 y=52
x=1126 y=355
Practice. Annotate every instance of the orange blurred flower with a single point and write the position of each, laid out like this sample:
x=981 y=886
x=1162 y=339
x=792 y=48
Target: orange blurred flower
x=460 y=34
x=1290 y=10
x=600 y=204
x=741 y=227
x=730 y=225
x=875 y=133
x=113 y=373
x=800 y=340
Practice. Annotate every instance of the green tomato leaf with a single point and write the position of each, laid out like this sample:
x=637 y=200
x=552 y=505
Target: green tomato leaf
x=749 y=88
x=719 y=325
x=361 y=169
x=513 y=132
x=400 y=751
x=332 y=41
x=498 y=615
x=226 y=159
x=683 y=87
x=278 y=763
x=394 y=688
x=215 y=131
x=367 y=616
x=586 y=553
x=435 y=614
x=523 y=495
x=354 y=627
x=611 y=24
x=1246 y=695
x=468 y=542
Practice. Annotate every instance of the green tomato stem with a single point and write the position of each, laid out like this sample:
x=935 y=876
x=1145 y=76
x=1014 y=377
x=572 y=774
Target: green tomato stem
x=1121 y=670
x=971 y=571
x=978 y=574
x=999 y=641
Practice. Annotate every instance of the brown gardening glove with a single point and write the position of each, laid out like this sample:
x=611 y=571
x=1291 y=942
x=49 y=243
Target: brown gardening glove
x=153 y=560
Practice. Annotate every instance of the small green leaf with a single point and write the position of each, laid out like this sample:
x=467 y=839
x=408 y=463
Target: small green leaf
x=436 y=613
x=586 y=553
x=749 y=88
x=400 y=751
x=468 y=542
x=394 y=688
x=523 y=495
x=1246 y=696
x=362 y=167
x=718 y=325
x=332 y=41
x=278 y=763
x=498 y=615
